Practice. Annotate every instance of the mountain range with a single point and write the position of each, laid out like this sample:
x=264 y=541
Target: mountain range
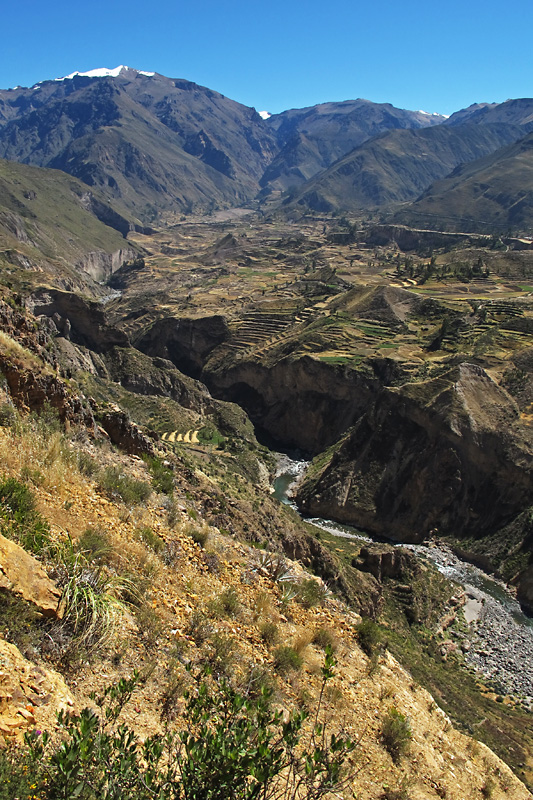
x=157 y=148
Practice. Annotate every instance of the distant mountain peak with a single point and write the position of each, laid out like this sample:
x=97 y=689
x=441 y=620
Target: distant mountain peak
x=264 y=114
x=104 y=72
x=433 y=114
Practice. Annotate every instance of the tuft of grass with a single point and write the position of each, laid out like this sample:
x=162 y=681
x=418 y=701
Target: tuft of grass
x=93 y=600
x=269 y=632
x=323 y=638
x=286 y=659
x=149 y=625
x=199 y=628
x=227 y=604
x=150 y=539
x=198 y=535
x=95 y=545
x=172 y=553
x=396 y=733
x=120 y=486
x=87 y=465
x=220 y=654
x=310 y=593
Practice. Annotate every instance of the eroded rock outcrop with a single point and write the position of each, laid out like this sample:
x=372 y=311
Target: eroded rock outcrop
x=30 y=695
x=125 y=433
x=83 y=321
x=32 y=390
x=447 y=454
x=22 y=575
x=186 y=342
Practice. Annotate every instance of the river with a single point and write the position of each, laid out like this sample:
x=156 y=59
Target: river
x=499 y=642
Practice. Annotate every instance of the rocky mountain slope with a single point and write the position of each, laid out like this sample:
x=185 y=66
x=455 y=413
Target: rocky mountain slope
x=159 y=148
x=398 y=166
x=53 y=222
x=492 y=194
x=311 y=139
x=149 y=142
x=431 y=456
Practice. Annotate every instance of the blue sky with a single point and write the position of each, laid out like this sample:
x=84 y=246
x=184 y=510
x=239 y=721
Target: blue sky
x=279 y=55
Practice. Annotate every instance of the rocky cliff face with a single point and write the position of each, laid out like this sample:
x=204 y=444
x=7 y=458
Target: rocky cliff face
x=302 y=403
x=83 y=321
x=186 y=342
x=448 y=454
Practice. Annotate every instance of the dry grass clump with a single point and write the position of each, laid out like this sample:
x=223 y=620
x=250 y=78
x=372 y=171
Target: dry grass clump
x=36 y=448
x=325 y=637
x=263 y=607
x=302 y=640
x=226 y=604
x=286 y=659
x=199 y=534
x=269 y=632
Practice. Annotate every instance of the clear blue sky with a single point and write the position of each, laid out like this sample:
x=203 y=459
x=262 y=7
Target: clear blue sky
x=435 y=56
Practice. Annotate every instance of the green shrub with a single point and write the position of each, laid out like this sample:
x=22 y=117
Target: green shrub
x=118 y=485
x=8 y=415
x=396 y=733
x=286 y=659
x=310 y=593
x=95 y=545
x=19 y=520
x=234 y=745
x=162 y=476
x=16 y=498
x=369 y=636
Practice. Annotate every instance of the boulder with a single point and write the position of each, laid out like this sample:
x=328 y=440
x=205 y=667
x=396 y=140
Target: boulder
x=21 y=574
x=383 y=561
x=30 y=695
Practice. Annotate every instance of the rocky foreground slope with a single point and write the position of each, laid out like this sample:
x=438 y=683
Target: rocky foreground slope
x=162 y=542
x=185 y=616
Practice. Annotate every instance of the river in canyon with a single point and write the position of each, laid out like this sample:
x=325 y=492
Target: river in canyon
x=499 y=642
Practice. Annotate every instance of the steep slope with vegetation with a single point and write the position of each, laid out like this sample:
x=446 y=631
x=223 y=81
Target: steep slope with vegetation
x=52 y=222
x=491 y=195
x=397 y=166
x=152 y=593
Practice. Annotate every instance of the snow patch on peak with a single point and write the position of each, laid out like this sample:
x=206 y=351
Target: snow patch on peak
x=104 y=72
x=264 y=114
x=433 y=114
